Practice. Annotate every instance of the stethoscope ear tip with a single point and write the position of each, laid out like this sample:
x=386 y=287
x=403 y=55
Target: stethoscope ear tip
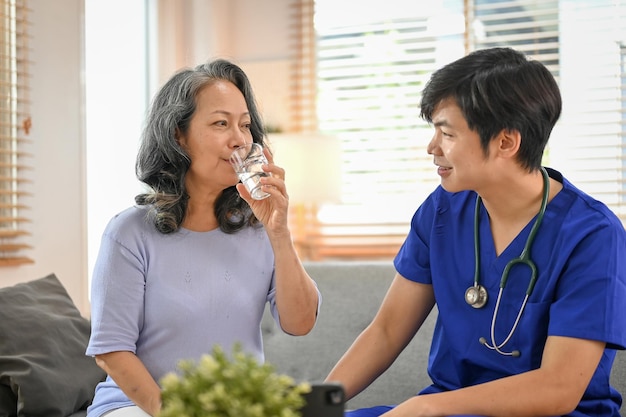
x=514 y=354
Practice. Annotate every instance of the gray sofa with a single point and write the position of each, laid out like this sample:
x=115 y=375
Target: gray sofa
x=352 y=293
x=44 y=371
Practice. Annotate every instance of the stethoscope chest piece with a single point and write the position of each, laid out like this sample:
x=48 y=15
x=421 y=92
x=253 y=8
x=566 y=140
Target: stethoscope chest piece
x=476 y=296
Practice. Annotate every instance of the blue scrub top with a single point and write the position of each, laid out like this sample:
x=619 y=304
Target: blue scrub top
x=580 y=291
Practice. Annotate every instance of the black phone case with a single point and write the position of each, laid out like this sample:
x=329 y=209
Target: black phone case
x=324 y=400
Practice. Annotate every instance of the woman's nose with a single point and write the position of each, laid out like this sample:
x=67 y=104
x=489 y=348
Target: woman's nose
x=239 y=138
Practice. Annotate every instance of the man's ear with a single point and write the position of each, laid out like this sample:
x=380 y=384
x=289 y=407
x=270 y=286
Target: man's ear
x=508 y=143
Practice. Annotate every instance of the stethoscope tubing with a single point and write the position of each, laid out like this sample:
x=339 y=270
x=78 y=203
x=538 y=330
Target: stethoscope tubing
x=524 y=259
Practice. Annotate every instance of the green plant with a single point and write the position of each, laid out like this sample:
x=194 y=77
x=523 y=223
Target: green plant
x=236 y=386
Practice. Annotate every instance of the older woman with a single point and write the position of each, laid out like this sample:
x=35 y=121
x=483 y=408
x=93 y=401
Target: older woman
x=193 y=264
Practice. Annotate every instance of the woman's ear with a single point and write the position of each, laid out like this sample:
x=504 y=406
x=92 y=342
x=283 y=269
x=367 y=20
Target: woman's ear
x=179 y=138
x=508 y=143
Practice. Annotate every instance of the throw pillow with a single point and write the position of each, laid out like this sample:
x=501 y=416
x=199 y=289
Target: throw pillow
x=43 y=338
x=8 y=402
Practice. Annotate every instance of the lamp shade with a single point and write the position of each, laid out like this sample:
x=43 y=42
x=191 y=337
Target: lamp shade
x=312 y=164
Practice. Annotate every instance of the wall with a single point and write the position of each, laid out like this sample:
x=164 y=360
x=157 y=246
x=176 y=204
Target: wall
x=58 y=202
x=261 y=45
x=188 y=33
x=254 y=34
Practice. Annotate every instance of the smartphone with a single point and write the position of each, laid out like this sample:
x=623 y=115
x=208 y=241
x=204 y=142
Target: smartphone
x=325 y=400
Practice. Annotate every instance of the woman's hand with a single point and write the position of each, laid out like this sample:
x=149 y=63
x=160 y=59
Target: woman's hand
x=273 y=210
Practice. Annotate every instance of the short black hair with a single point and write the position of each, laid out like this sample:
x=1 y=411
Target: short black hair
x=499 y=89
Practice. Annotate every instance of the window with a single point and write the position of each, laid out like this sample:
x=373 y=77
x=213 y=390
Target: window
x=116 y=66
x=589 y=145
x=371 y=69
x=372 y=66
x=15 y=126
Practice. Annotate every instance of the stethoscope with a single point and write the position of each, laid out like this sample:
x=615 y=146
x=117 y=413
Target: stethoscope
x=476 y=295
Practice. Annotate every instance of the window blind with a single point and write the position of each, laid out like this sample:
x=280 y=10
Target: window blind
x=373 y=65
x=15 y=125
x=589 y=145
x=302 y=80
x=582 y=44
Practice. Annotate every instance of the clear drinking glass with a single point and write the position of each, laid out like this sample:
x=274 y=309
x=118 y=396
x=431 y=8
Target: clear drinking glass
x=247 y=161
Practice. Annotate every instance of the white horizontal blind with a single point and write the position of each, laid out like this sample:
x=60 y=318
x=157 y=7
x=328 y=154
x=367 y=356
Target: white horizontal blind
x=589 y=145
x=372 y=66
x=582 y=43
x=15 y=124
x=530 y=26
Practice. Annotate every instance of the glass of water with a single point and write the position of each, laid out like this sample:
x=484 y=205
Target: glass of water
x=248 y=161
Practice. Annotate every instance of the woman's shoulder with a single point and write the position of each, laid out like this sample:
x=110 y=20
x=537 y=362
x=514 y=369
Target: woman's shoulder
x=131 y=215
x=129 y=220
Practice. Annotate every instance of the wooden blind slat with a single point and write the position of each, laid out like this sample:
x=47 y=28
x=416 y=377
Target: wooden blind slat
x=18 y=154
x=13 y=206
x=10 y=139
x=14 y=219
x=15 y=180
x=13 y=247
x=14 y=166
x=5 y=191
x=6 y=233
x=14 y=261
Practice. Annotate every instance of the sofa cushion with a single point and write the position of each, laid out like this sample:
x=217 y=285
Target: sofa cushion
x=351 y=294
x=43 y=338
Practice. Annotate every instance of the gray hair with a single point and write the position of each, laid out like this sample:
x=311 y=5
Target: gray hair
x=162 y=163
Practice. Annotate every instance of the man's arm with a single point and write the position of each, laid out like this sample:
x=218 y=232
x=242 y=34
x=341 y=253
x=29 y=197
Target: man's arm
x=554 y=389
x=403 y=310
